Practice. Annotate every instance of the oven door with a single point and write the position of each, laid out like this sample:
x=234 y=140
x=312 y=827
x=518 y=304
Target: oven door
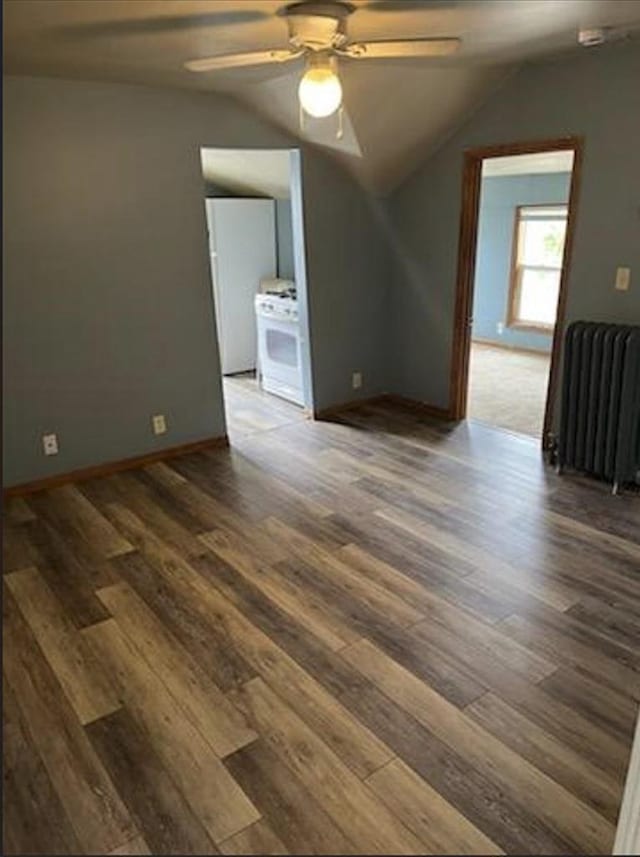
x=279 y=356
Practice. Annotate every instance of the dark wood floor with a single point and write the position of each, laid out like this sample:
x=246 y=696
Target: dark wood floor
x=373 y=635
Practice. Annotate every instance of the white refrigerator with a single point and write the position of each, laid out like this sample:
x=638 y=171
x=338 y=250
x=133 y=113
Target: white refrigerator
x=242 y=244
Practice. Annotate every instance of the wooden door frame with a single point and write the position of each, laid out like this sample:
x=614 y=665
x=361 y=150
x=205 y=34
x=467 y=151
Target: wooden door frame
x=467 y=245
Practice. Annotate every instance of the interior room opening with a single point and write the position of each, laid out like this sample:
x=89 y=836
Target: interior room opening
x=522 y=226
x=253 y=206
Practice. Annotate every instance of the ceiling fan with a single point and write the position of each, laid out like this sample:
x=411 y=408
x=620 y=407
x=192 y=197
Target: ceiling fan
x=318 y=32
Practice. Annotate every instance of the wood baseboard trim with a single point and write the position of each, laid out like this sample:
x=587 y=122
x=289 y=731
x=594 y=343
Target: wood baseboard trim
x=333 y=410
x=111 y=467
x=420 y=407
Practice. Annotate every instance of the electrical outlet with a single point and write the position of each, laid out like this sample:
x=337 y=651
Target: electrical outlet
x=50 y=444
x=159 y=424
x=623 y=279
x=500 y=328
x=356 y=380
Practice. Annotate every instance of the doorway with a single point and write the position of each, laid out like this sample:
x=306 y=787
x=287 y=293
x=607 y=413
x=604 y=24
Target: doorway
x=253 y=205
x=516 y=232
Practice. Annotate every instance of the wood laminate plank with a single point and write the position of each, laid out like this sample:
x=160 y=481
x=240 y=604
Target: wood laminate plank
x=161 y=517
x=587 y=502
x=385 y=472
x=390 y=577
x=505 y=598
x=72 y=579
x=256 y=839
x=440 y=572
x=18 y=549
x=360 y=815
x=358 y=748
x=131 y=848
x=164 y=494
x=443 y=621
x=560 y=645
x=301 y=603
x=583 y=636
x=498 y=814
x=456 y=684
x=68 y=510
x=99 y=818
x=35 y=821
x=365 y=590
x=17 y=511
x=326 y=533
x=568 y=725
x=482 y=657
x=481 y=560
x=260 y=494
x=425 y=812
x=619 y=544
x=212 y=794
x=573 y=554
x=611 y=711
x=74 y=665
x=163 y=474
x=572 y=770
x=291 y=810
x=159 y=810
x=199 y=496
x=157 y=582
x=551 y=803
x=217 y=720
x=615 y=622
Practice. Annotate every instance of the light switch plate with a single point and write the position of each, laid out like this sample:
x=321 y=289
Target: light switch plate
x=623 y=279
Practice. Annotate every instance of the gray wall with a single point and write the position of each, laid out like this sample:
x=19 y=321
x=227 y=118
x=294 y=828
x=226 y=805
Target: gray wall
x=499 y=198
x=284 y=238
x=107 y=297
x=596 y=95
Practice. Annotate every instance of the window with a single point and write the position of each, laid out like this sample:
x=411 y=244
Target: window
x=539 y=236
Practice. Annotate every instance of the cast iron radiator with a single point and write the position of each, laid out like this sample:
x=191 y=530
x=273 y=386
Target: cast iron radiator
x=600 y=422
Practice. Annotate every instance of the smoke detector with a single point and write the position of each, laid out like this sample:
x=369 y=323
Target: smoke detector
x=592 y=36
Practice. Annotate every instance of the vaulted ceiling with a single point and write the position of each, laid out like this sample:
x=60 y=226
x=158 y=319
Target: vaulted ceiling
x=397 y=111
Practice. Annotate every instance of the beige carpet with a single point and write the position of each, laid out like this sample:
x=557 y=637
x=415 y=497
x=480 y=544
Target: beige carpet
x=508 y=389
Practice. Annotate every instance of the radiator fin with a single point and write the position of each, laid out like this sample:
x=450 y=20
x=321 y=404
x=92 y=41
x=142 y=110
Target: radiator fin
x=600 y=422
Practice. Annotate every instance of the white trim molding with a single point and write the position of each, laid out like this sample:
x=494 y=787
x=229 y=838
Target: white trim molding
x=628 y=832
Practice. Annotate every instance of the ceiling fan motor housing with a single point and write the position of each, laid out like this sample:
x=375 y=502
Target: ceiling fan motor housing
x=317 y=26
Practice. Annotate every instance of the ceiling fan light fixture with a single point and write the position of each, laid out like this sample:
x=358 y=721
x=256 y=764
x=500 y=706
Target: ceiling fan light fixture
x=320 y=90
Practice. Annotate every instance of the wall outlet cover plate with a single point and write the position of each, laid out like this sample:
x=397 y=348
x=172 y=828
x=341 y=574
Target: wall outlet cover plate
x=50 y=444
x=159 y=424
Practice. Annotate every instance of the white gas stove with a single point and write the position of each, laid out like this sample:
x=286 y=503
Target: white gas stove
x=279 y=357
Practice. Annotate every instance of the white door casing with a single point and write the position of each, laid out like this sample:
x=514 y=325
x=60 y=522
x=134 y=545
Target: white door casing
x=628 y=831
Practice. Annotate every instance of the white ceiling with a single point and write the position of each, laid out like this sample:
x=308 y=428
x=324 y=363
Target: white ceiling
x=397 y=110
x=248 y=172
x=516 y=165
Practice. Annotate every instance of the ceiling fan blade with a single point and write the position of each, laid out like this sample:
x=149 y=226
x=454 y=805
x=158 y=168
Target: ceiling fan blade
x=224 y=61
x=401 y=48
x=126 y=27
x=412 y=5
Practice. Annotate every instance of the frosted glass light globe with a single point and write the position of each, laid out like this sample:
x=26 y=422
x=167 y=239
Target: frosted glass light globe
x=320 y=91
